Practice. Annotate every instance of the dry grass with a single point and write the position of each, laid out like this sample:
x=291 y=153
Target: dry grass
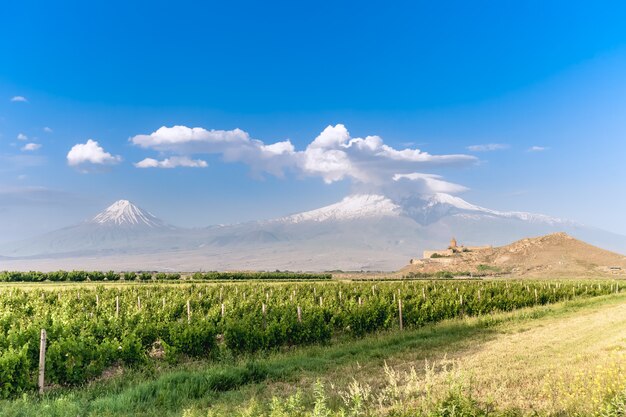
x=568 y=363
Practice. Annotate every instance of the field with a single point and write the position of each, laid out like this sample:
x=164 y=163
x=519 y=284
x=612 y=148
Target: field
x=325 y=347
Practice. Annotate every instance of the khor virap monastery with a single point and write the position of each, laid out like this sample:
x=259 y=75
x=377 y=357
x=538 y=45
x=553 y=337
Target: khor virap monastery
x=442 y=254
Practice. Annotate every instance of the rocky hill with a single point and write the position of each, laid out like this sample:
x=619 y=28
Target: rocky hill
x=555 y=255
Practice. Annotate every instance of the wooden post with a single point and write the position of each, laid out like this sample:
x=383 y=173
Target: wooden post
x=188 y=312
x=373 y=290
x=320 y=300
x=264 y=317
x=299 y=315
x=394 y=297
x=536 y=296
x=400 y=313
x=163 y=302
x=42 y=360
x=423 y=293
x=222 y=310
x=97 y=300
x=360 y=301
x=339 y=295
x=461 y=300
x=138 y=303
x=117 y=306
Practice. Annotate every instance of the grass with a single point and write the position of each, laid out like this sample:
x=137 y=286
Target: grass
x=484 y=350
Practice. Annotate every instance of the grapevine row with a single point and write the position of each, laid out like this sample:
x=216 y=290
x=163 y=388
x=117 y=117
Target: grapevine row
x=89 y=330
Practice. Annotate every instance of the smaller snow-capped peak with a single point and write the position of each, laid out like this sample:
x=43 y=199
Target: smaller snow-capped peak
x=353 y=207
x=125 y=213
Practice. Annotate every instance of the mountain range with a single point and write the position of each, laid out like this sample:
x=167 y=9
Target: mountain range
x=361 y=232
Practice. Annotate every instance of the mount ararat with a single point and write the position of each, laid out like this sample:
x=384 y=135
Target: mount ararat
x=361 y=232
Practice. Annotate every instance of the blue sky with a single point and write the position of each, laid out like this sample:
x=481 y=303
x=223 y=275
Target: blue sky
x=441 y=77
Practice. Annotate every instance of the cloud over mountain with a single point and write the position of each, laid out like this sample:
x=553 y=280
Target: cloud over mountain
x=332 y=156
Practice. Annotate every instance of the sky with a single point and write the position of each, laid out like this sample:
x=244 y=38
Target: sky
x=220 y=112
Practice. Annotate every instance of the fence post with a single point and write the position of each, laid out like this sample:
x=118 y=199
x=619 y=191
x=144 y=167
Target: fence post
x=42 y=360
x=400 y=312
x=188 y=312
x=299 y=314
x=222 y=310
x=264 y=317
x=117 y=306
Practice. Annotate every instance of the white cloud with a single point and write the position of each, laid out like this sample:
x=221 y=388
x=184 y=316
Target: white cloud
x=234 y=146
x=488 y=147
x=19 y=99
x=172 y=162
x=537 y=149
x=21 y=136
x=47 y=129
x=31 y=147
x=332 y=156
x=90 y=152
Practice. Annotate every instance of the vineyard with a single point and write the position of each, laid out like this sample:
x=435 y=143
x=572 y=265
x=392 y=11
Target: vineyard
x=80 y=276
x=91 y=329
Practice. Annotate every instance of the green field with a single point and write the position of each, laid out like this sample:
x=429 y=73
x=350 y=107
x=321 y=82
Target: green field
x=484 y=347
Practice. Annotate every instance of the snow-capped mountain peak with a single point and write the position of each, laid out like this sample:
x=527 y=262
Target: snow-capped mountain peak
x=424 y=209
x=440 y=204
x=125 y=213
x=356 y=206
x=441 y=198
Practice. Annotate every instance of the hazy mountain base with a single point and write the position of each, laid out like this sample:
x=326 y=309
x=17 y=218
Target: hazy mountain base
x=362 y=232
x=383 y=244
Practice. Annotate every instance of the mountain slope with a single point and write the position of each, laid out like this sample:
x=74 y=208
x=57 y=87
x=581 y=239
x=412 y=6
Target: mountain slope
x=353 y=207
x=557 y=254
x=369 y=232
x=120 y=227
